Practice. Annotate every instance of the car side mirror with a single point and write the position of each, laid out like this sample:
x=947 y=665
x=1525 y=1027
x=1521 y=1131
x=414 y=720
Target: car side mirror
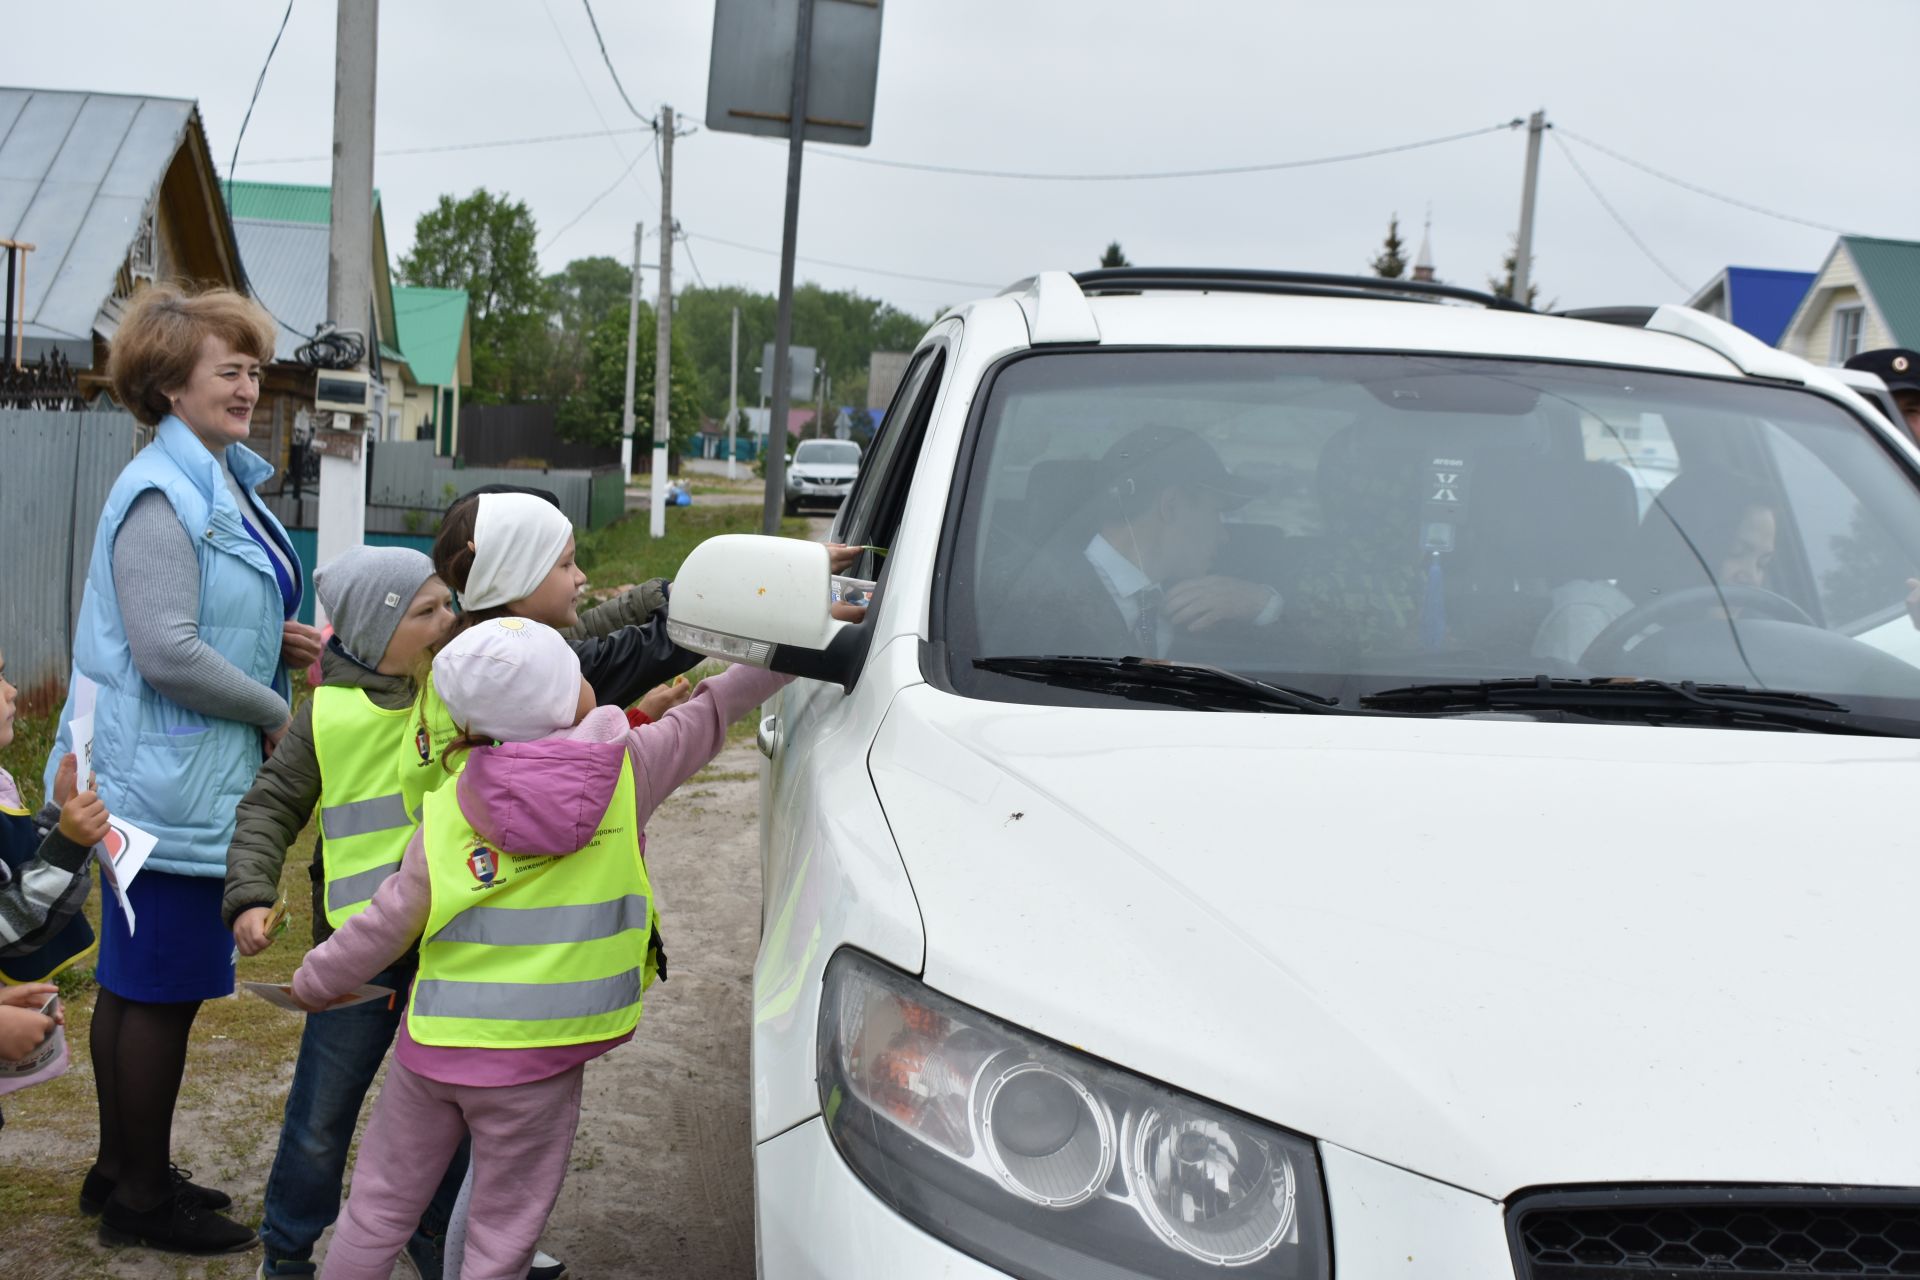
x=765 y=601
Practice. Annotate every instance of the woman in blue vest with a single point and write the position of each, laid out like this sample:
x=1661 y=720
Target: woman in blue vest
x=187 y=628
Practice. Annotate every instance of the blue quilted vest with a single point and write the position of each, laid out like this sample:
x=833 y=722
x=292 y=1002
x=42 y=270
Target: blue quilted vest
x=171 y=771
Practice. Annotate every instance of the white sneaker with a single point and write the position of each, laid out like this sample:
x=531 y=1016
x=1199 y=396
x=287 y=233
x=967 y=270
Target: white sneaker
x=546 y=1267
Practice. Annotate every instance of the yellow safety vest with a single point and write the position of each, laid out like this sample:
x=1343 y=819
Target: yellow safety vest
x=524 y=951
x=429 y=731
x=363 y=813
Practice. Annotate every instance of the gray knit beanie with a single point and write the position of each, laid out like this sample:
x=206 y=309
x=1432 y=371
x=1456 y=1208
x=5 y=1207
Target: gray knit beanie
x=366 y=592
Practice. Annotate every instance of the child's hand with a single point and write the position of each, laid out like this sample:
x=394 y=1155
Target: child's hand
x=663 y=698
x=250 y=930
x=23 y=1028
x=66 y=779
x=83 y=819
x=299 y=644
x=843 y=612
x=840 y=556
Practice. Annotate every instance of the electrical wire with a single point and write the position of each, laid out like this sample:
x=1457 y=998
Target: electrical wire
x=586 y=89
x=1697 y=189
x=468 y=146
x=259 y=80
x=1222 y=171
x=604 y=57
x=687 y=244
x=631 y=166
x=846 y=266
x=1615 y=215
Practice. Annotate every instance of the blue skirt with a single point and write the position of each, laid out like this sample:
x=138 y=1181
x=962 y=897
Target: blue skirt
x=178 y=950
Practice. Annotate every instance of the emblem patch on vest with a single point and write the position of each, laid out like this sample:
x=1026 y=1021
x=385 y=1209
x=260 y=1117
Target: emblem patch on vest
x=423 y=745
x=484 y=863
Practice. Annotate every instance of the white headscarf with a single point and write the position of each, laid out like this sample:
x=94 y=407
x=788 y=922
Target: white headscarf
x=517 y=539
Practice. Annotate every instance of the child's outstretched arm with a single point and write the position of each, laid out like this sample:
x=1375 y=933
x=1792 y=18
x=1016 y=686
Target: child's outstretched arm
x=37 y=902
x=679 y=744
x=269 y=818
x=371 y=940
x=631 y=607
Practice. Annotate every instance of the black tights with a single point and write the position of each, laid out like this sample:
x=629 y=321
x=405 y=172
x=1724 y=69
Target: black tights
x=139 y=1058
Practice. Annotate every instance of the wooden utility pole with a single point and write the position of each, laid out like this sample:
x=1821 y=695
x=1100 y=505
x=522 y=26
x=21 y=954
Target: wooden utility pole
x=663 y=334
x=633 y=332
x=343 y=486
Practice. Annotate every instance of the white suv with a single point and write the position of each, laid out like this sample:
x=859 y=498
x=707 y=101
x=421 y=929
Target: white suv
x=1340 y=782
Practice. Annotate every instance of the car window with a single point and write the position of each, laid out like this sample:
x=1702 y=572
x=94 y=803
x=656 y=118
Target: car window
x=873 y=508
x=827 y=453
x=1345 y=522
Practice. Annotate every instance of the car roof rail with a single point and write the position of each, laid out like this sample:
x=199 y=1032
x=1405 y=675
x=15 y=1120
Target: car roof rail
x=1309 y=283
x=1744 y=351
x=1630 y=317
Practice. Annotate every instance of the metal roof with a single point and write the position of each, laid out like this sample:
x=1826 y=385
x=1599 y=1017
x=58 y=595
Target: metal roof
x=1890 y=270
x=287 y=264
x=432 y=323
x=1762 y=300
x=282 y=201
x=78 y=174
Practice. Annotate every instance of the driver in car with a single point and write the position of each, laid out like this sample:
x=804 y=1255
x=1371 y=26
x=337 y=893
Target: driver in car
x=1705 y=529
x=1142 y=583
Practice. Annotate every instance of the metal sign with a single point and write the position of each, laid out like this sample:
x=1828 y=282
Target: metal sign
x=750 y=76
x=799 y=375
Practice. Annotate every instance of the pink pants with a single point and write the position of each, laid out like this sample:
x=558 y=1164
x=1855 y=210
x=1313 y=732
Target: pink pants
x=522 y=1139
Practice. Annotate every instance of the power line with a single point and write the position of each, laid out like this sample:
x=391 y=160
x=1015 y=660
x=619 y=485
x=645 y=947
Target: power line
x=847 y=266
x=587 y=89
x=470 y=146
x=1223 y=171
x=631 y=166
x=1697 y=189
x=259 y=80
x=1615 y=215
x=609 y=61
x=687 y=244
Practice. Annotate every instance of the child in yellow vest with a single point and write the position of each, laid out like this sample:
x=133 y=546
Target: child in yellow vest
x=526 y=888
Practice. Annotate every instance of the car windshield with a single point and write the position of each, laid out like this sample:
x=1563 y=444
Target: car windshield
x=827 y=453
x=1343 y=523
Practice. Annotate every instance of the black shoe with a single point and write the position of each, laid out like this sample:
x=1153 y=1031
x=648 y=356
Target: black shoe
x=176 y=1225
x=96 y=1189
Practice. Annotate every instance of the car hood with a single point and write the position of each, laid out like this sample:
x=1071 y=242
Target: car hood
x=1498 y=954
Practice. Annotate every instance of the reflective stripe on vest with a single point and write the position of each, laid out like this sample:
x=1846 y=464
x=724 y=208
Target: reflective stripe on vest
x=523 y=951
x=363 y=815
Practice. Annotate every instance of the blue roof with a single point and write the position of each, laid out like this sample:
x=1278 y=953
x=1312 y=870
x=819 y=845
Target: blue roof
x=1762 y=301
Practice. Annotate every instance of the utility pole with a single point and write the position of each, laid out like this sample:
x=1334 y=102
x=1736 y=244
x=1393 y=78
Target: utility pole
x=1523 y=245
x=783 y=318
x=733 y=393
x=633 y=331
x=343 y=488
x=663 y=334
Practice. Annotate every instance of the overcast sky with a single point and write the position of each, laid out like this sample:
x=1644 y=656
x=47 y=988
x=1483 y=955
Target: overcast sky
x=1809 y=110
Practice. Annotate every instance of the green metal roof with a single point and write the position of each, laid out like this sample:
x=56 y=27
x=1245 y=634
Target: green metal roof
x=282 y=201
x=432 y=323
x=1891 y=271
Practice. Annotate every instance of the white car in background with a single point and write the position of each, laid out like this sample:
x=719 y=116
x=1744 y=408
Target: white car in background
x=1365 y=939
x=821 y=473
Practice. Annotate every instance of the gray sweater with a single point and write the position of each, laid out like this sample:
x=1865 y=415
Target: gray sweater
x=157 y=576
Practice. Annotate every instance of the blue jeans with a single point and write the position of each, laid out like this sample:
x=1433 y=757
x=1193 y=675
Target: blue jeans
x=340 y=1051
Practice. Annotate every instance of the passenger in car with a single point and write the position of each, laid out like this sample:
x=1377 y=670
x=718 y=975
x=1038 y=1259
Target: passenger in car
x=1141 y=584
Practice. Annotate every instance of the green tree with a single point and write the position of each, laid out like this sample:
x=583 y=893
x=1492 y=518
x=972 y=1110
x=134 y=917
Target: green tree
x=593 y=412
x=578 y=297
x=485 y=245
x=1391 y=263
x=1502 y=285
x=1113 y=257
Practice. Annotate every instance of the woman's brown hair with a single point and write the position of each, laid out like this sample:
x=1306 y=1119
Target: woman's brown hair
x=159 y=339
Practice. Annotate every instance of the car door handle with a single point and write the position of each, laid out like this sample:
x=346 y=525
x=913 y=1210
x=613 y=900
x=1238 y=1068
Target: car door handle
x=768 y=735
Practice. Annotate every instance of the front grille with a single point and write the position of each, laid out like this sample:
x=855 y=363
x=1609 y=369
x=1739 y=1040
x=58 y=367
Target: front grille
x=1720 y=1234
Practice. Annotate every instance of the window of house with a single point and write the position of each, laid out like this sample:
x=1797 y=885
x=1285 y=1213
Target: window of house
x=1849 y=328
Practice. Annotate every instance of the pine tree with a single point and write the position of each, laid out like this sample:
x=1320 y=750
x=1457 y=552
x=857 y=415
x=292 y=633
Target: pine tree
x=1113 y=257
x=1391 y=263
x=1503 y=287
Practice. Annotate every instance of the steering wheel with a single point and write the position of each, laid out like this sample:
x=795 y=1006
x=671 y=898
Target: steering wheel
x=1611 y=644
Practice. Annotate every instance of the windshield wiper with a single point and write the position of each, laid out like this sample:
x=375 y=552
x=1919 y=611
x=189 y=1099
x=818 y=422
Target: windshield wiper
x=1731 y=705
x=1154 y=680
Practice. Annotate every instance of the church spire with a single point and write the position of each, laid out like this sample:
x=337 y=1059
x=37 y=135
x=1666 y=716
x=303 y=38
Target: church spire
x=1423 y=262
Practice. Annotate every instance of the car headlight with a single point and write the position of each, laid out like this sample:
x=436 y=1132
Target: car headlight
x=1044 y=1162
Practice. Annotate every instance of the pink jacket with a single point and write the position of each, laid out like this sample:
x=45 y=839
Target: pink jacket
x=533 y=797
